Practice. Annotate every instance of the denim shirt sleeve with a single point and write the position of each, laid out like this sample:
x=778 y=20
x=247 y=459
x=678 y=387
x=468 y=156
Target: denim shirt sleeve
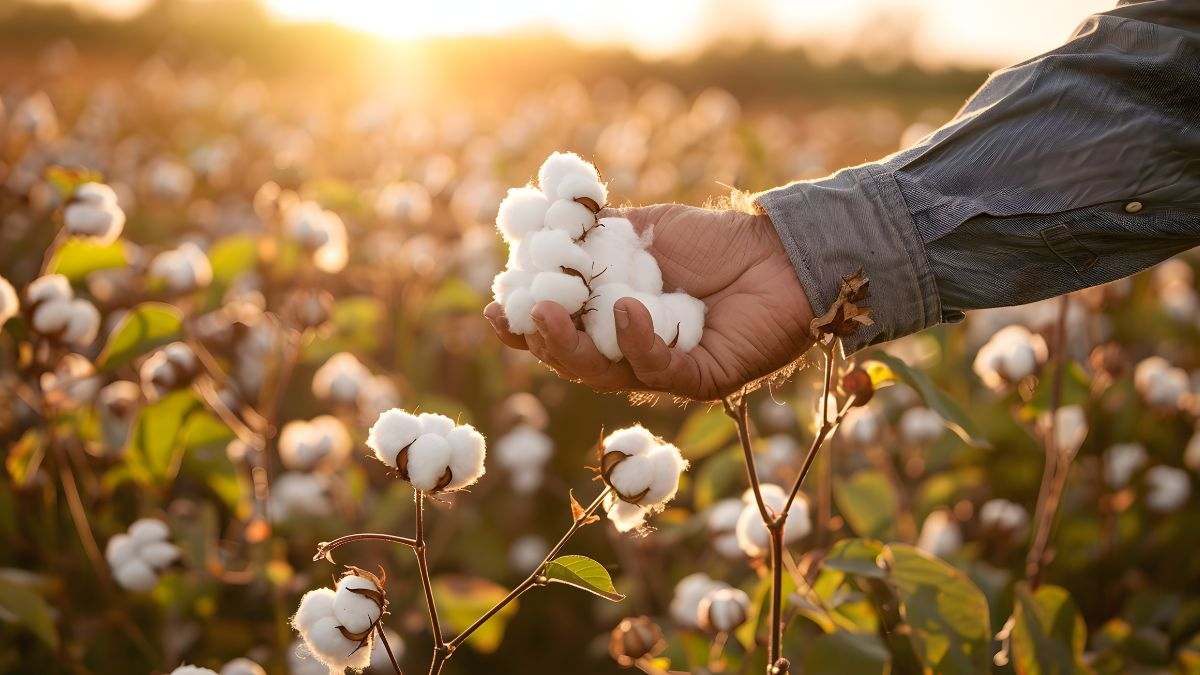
x=1068 y=170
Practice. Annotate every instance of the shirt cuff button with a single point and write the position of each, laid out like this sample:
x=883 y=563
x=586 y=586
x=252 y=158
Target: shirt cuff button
x=1133 y=207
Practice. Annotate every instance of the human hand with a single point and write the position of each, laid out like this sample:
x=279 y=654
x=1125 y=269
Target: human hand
x=757 y=321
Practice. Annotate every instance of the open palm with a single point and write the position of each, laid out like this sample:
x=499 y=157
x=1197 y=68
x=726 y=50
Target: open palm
x=757 y=319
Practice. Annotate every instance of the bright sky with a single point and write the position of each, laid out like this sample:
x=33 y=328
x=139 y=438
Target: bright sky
x=979 y=32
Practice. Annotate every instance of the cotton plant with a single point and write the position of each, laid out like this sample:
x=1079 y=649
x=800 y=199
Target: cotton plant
x=1011 y=355
x=137 y=557
x=181 y=270
x=57 y=315
x=523 y=452
x=562 y=251
x=753 y=536
x=338 y=625
x=93 y=212
x=170 y=368
x=642 y=472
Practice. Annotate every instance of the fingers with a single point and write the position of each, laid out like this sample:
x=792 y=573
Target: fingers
x=571 y=350
x=494 y=313
x=655 y=365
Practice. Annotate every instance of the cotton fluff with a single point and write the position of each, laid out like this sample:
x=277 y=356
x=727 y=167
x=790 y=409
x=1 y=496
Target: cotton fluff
x=320 y=232
x=242 y=666
x=1167 y=488
x=523 y=452
x=1162 y=385
x=560 y=251
x=921 y=426
x=182 y=269
x=317 y=622
x=1012 y=354
x=752 y=534
x=1004 y=515
x=93 y=212
x=303 y=445
x=57 y=314
x=340 y=379
x=724 y=609
x=1121 y=461
x=167 y=369
x=643 y=472
x=139 y=555
x=430 y=451
x=9 y=304
x=721 y=522
x=187 y=669
x=1070 y=428
x=940 y=535
x=299 y=494
x=72 y=383
x=685 y=603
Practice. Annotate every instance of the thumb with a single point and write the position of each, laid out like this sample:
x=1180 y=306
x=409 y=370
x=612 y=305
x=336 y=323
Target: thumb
x=642 y=217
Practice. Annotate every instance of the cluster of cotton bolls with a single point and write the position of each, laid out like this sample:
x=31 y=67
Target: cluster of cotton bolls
x=1167 y=488
x=310 y=451
x=1174 y=284
x=430 y=451
x=940 y=535
x=138 y=556
x=921 y=426
x=710 y=605
x=71 y=384
x=643 y=472
x=182 y=269
x=337 y=624
x=93 y=212
x=560 y=251
x=56 y=314
x=523 y=452
x=170 y=368
x=1005 y=517
x=1163 y=386
x=320 y=232
x=752 y=535
x=1011 y=355
x=344 y=381
x=721 y=522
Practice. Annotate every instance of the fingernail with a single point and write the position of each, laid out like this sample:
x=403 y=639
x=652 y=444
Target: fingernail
x=622 y=318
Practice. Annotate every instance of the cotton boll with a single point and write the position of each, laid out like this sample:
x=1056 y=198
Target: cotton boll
x=624 y=516
x=634 y=440
x=1121 y=462
x=83 y=323
x=159 y=554
x=1004 y=515
x=340 y=379
x=304 y=444
x=578 y=186
x=567 y=290
x=940 y=534
x=394 y=430
x=644 y=274
x=1162 y=385
x=148 y=530
x=561 y=165
x=921 y=426
x=665 y=325
x=1012 y=354
x=433 y=423
x=721 y=522
x=9 y=304
x=553 y=251
x=1070 y=429
x=665 y=466
x=752 y=534
x=522 y=212
x=193 y=670
x=326 y=642
x=182 y=269
x=688 y=313
x=242 y=666
x=685 y=602
x=48 y=287
x=357 y=613
x=631 y=477
x=467 y=453
x=570 y=217
x=428 y=459
x=50 y=317
x=508 y=281
x=601 y=324
x=120 y=550
x=135 y=575
x=722 y=610
x=314 y=606
x=296 y=494
x=1167 y=488
x=94 y=213
x=863 y=426
x=517 y=311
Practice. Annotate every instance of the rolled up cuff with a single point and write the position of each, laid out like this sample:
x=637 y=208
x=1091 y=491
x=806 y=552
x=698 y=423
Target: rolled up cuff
x=857 y=219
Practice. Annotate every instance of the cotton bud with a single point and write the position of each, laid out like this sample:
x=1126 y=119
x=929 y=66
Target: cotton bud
x=138 y=556
x=429 y=451
x=752 y=534
x=689 y=592
x=1004 y=516
x=1070 y=429
x=635 y=639
x=1011 y=355
x=863 y=426
x=56 y=314
x=170 y=368
x=723 y=610
x=642 y=470
x=403 y=204
x=93 y=212
x=325 y=638
x=181 y=270
x=940 y=535
x=921 y=426
x=71 y=384
x=340 y=379
x=1167 y=488
x=523 y=452
x=521 y=213
x=527 y=552
x=186 y=669
x=299 y=494
x=1121 y=462
x=1160 y=384
x=307 y=309
x=721 y=522
x=242 y=666
x=305 y=444
x=9 y=304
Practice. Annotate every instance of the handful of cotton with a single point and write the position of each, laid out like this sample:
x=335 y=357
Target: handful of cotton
x=561 y=251
x=138 y=556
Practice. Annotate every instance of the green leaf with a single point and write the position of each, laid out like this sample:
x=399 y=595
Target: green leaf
x=1048 y=633
x=25 y=457
x=845 y=652
x=149 y=325
x=584 y=573
x=722 y=474
x=869 y=502
x=232 y=256
x=704 y=432
x=76 y=258
x=159 y=434
x=856 y=556
x=455 y=295
x=24 y=607
x=956 y=419
x=948 y=614
x=357 y=328
x=462 y=599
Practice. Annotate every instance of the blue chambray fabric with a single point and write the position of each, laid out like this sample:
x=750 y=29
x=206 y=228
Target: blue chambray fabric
x=1028 y=192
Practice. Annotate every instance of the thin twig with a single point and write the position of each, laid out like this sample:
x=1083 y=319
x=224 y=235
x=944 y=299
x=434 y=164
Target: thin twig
x=423 y=566
x=79 y=516
x=388 y=647
x=325 y=548
x=741 y=419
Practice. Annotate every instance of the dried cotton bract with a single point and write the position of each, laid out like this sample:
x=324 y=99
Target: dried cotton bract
x=643 y=472
x=93 y=212
x=428 y=450
x=559 y=251
x=138 y=556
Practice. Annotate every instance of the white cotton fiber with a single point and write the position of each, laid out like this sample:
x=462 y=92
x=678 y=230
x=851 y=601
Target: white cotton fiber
x=433 y=423
x=601 y=323
x=520 y=256
x=576 y=186
x=571 y=217
x=522 y=212
x=665 y=325
x=436 y=445
x=49 y=287
x=567 y=290
x=392 y=432
x=516 y=310
x=314 y=606
x=466 y=456
x=357 y=612
x=428 y=458
x=159 y=554
x=508 y=281
x=634 y=440
x=135 y=576
x=139 y=554
x=561 y=165
x=554 y=250
x=644 y=274
x=147 y=530
x=688 y=312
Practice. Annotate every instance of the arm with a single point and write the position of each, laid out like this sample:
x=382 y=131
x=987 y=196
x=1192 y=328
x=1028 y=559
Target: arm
x=1069 y=170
